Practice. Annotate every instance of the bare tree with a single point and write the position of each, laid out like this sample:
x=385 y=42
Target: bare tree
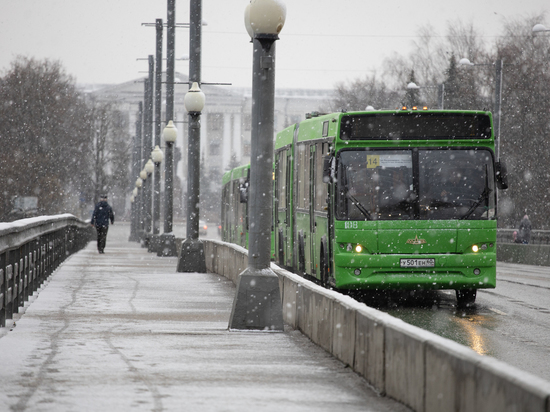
x=110 y=148
x=525 y=99
x=41 y=133
x=525 y=125
x=56 y=145
x=361 y=93
x=433 y=60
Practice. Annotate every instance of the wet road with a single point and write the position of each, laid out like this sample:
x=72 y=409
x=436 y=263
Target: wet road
x=510 y=323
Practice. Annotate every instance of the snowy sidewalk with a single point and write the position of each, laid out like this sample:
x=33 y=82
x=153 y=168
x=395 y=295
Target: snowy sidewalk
x=124 y=332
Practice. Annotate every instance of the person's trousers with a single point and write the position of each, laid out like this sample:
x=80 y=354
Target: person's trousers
x=101 y=237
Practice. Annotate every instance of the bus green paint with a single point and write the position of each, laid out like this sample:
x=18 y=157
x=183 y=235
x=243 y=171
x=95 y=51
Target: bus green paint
x=316 y=226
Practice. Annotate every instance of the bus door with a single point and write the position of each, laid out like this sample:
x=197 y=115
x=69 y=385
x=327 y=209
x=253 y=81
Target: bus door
x=289 y=234
x=234 y=211
x=318 y=208
x=283 y=208
x=241 y=204
x=312 y=222
x=302 y=220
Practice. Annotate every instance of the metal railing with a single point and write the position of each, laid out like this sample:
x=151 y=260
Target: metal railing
x=30 y=250
x=538 y=237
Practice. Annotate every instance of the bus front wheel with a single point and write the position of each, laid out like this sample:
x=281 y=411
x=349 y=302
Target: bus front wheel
x=466 y=297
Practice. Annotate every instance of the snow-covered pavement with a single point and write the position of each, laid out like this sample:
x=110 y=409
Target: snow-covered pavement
x=124 y=332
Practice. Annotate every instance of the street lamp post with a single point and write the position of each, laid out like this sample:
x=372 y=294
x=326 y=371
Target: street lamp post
x=133 y=223
x=148 y=170
x=140 y=207
x=135 y=195
x=156 y=157
x=167 y=243
x=192 y=257
x=192 y=250
x=257 y=303
x=157 y=128
x=138 y=148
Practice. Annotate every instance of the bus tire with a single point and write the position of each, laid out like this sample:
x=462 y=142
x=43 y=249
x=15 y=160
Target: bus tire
x=466 y=297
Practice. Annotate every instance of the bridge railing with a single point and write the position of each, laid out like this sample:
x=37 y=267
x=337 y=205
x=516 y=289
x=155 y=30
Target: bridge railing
x=538 y=237
x=537 y=252
x=30 y=250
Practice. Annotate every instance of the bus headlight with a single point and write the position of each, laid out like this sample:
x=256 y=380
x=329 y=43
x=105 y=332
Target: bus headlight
x=351 y=247
x=477 y=248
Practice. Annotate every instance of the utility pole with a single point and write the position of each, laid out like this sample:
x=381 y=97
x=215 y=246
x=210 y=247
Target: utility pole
x=192 y=257
x=167 y=245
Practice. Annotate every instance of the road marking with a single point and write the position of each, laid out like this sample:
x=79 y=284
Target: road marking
x=498 y=311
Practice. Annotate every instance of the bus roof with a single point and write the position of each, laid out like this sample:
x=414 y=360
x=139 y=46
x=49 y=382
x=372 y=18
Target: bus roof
x=478 y=125
x=236 y=173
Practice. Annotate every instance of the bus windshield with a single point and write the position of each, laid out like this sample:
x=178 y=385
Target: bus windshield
x=405 y=184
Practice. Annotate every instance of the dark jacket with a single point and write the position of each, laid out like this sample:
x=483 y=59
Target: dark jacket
x=102 y=214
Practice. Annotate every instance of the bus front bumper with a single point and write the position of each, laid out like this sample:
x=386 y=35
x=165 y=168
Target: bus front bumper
x=450 y=271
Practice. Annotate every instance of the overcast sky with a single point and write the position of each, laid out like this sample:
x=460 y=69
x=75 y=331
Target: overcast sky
x=323 y=41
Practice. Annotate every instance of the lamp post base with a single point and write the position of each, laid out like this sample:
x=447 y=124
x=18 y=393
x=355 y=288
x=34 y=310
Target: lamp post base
x=153 y=244
x=192 y=257
x=144 y=239
x=257 y=304
x=167 y=245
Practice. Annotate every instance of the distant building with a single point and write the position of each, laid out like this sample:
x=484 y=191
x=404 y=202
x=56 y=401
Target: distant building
x=225 y=125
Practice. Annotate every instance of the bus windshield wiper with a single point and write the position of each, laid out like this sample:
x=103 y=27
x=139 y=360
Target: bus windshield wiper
x=484 y=196
x=359 y=206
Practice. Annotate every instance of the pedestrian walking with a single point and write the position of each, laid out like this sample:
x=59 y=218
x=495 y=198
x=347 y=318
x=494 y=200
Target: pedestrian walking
x=103 y=213
x=524 y=231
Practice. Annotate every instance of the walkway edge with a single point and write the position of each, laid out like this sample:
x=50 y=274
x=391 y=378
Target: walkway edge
x=418 y=368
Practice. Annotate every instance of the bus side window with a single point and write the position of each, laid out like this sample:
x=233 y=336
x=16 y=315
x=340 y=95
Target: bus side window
x=320 y=185
x=302 y=195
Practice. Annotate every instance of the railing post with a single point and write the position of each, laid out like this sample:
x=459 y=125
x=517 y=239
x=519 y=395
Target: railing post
x=9 y=287
x=16 y=277
x=3 y=295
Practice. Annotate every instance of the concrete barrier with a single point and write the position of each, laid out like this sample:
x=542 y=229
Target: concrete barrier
x=535 y=254
x=418 y=368
x=369 y=346
x=405 y=363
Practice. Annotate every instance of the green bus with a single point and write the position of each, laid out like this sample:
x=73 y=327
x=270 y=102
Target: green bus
x=235 y=206
x=390 y=199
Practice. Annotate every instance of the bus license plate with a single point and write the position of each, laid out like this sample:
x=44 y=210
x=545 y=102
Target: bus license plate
x=417 y=263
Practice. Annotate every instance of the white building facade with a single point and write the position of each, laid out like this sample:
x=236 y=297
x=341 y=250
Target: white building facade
x=225 y=127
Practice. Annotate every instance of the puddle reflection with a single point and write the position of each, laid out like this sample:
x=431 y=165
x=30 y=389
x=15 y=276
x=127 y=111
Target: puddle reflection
x=436 y=311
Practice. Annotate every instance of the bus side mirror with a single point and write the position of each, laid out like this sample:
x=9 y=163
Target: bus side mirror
x=501 y=174
x=327 y=169
x=243 y=192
